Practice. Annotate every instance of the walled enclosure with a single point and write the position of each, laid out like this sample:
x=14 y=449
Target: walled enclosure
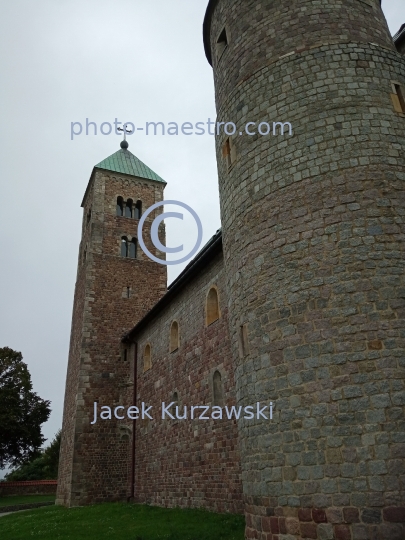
x=95 y=459
x=187 y=463
x=313 y=229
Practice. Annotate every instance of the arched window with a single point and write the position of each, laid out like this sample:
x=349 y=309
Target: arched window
x=212 y=306
x=120 y=206
x=124 y=246
x=147 y=358
x=128 y=208
x=174 y=336
x=138 y=210
x=132 y=249
x=218 y=389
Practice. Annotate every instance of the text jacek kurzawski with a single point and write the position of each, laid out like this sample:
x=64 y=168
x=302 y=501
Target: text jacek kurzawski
x=172 y=411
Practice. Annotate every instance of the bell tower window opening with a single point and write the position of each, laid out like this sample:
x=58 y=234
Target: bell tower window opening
x=128 y=208
x=124 y=246
x=138 y=210
x=120 y=207
x=132 y=249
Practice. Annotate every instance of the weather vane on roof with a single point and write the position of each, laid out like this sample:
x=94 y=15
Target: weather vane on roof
x=124 y=143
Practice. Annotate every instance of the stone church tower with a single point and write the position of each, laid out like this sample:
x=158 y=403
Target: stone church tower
x=313 y=229
x=116 y=285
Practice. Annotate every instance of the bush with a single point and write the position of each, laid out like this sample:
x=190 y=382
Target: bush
x=43 y=467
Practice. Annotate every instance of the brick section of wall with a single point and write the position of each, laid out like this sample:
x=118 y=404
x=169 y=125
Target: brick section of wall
x=95 y=458
x=28 y=487
x=313 y=230
x=185 y=463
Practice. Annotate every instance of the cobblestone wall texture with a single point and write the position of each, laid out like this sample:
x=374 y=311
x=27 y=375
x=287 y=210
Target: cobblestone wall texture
x=313 y=228
x=188 y=462
x=94 y=464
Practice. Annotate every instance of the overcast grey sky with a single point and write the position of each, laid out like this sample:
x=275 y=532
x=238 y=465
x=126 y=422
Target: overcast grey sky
x=99 y=59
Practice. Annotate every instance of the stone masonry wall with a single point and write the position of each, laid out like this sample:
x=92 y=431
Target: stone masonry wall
x=262 y=32
x=188 y=463
x=73 y=368
x=313 y=228
x=95 y=458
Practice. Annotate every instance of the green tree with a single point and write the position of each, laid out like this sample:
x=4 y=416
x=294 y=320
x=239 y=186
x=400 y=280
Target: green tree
x=51 y=457
x=22 y=411
x=44 y=467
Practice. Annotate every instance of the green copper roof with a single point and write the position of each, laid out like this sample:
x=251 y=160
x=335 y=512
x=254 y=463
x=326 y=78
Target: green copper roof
x=125 y=162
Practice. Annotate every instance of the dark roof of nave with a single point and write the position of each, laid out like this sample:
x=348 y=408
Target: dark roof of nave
x=400 y=35
x=200 y=261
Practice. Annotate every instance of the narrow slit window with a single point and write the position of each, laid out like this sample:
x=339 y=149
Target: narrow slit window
x=174 y=336
x=128 y=292
x=243 y=341
x=218 y=389
x=229 y=152
x=120 y=207
x=398 y=98
x=222 y=43
x=175 y=401
x=124 y=246
x=147 y=358
x=212 y=306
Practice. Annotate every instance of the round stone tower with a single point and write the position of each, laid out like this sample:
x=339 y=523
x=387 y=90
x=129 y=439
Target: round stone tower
x=313 y=228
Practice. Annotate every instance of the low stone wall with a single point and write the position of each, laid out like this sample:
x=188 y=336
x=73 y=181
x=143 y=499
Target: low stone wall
x=28 y=506
x=37 y=487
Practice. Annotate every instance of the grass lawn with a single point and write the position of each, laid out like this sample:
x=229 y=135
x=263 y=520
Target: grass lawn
x=24 y=499
x=120 y=521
